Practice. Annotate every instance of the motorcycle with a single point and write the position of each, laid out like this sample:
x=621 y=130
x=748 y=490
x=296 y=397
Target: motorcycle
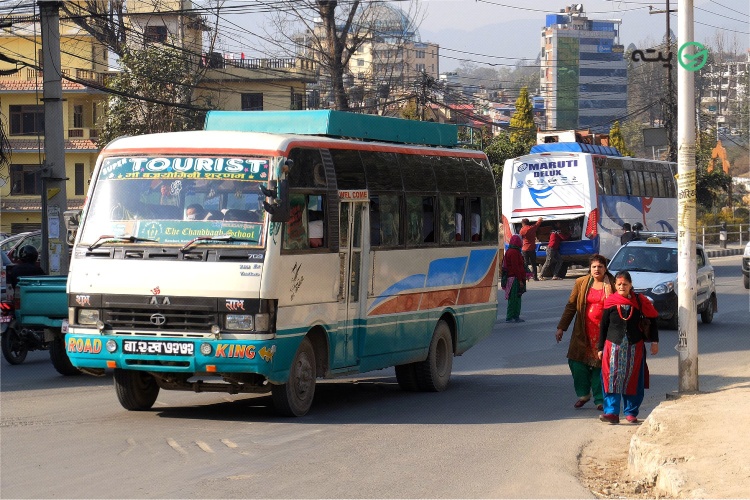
x=18 y=339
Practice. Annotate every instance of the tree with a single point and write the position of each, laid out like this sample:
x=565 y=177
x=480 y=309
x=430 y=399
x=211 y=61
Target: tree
x=148 y=94
x=617 y=140
x=331 y=32
x=522 y=128
x=502 y=147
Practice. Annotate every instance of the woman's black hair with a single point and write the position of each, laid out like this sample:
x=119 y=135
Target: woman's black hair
x=626 y=275
x=598 y=258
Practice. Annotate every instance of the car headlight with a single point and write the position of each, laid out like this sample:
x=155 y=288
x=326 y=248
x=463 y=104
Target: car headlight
x=88 y=316
x=662 y=288
x=238 y=322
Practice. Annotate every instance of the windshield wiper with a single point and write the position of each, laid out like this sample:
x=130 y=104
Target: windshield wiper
x=101 y=240
x=638 y=269
x=218 y=237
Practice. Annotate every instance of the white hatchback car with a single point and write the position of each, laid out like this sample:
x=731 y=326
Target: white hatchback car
x=652 y=263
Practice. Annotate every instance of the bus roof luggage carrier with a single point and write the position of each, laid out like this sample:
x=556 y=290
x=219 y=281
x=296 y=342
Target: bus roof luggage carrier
x=339 y=124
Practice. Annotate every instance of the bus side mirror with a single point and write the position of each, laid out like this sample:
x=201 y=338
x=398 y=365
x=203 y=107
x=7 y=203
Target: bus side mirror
x=278 y=191
x=72 y=219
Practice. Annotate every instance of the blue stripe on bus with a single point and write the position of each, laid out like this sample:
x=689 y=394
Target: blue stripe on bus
x=446 y=272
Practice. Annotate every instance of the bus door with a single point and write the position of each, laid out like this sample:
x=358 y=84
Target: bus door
x=352 y=281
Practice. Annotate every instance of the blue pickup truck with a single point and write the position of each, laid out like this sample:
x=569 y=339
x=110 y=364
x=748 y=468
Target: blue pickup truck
x=41 y=310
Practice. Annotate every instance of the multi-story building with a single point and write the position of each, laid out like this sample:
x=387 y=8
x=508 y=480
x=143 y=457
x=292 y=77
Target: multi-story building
x=83 y=60
x=583 y=71
x=725 y=98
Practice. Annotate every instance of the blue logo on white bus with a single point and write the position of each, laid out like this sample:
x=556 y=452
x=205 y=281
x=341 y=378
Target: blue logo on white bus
x=540 y=194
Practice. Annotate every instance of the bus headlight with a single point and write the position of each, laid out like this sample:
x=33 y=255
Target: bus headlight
x=88 y=316
x=111 y=345
x=238 y=322
x=662 y=288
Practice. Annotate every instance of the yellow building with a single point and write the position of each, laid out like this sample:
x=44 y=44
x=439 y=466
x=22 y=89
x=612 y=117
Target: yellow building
x=22 y=111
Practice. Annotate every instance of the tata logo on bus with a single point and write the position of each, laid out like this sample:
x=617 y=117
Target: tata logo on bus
x=547 y=169
x=354 y=195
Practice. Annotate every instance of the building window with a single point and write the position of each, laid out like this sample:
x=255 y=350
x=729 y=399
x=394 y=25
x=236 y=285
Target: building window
x=155 y=34
x=78 y=116
x=26 y=179
x=26 y=120
x=297 y=101
x=252 y=102
x=80 y=179
x=420 y=54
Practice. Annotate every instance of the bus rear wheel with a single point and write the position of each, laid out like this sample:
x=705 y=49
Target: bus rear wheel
x=406 y=376
x=137 y=391
x=295 y=398
x=434 y=373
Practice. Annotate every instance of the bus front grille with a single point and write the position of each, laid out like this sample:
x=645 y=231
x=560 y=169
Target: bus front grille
x=162 y=320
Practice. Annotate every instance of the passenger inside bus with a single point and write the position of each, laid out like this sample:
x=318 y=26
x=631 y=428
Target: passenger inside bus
x=315 y=234
x=459 y=227
x=196 y=212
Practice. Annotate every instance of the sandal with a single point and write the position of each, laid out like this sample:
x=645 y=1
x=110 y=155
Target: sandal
x=581 y=402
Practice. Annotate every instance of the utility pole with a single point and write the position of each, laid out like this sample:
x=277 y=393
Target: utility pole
x=671 y=109
x=54 y=197
x=687 y=343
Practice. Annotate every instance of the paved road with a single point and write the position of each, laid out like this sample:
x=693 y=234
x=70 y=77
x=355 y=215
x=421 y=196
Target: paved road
x=505 y=428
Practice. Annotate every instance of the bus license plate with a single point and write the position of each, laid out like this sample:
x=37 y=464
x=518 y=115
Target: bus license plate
x=157 y=347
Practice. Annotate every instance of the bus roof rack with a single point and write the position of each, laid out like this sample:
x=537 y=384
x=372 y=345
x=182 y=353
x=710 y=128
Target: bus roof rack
x=339 y=124
x=575 y=147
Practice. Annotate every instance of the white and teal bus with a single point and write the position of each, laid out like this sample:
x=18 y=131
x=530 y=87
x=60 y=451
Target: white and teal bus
x=266 y=251
x=591 y=191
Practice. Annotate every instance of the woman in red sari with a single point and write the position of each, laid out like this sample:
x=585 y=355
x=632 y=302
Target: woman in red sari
x=515 y=283
x=622 y=350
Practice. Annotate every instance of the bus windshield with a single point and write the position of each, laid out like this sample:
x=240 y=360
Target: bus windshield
x=177 y=200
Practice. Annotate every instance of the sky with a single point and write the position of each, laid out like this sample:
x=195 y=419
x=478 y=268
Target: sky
x=501 y=32
x=511 y=28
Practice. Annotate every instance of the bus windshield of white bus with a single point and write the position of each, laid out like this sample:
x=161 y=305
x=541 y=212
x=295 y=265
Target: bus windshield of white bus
x=177 y=200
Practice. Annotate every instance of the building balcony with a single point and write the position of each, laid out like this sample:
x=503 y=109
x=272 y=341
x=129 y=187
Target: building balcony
x=230 y=68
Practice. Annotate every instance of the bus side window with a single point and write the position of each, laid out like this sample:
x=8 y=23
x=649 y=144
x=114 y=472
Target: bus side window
x=475 y=219
x=489 y=215
x=385 y=218
x=421 y=219
x=451 y=219
x=306 y=226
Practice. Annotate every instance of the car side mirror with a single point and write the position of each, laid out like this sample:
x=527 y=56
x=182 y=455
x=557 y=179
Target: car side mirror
x=278 y=191
x=72 y=219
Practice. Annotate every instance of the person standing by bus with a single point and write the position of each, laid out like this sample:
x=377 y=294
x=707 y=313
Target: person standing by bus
x=622 y=351
x=513 y=279
x=554 y=260
x=586 y=305
x=528 y=235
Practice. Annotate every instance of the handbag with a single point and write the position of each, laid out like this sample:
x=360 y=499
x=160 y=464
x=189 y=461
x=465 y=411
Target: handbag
x=503 y=277
x=644 y=323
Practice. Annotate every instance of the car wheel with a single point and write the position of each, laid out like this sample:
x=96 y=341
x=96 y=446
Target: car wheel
x=707 y=314
x=746 y=281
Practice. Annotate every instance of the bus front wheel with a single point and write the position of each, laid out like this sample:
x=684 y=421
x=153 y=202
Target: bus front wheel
x=434 y=373
x=137 y=391
x=295 y=398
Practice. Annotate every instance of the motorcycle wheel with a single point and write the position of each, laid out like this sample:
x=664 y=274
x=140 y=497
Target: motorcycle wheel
x=14 y=350
x=60 y=360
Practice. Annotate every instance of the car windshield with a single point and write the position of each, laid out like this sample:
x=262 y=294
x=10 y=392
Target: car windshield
x=174 y=200
x=645 y=259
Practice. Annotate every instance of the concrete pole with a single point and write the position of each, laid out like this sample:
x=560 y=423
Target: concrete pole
x=54 y=197
x=687 y=344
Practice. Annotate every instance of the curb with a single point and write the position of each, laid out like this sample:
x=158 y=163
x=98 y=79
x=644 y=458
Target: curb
x=724 y=252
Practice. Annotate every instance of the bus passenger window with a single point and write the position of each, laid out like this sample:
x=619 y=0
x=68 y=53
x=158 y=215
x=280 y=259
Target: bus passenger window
x=476 y=220
x=489 y=216
x=315 y=228
x=421 y=220
x=451 y=219
x=428 y=216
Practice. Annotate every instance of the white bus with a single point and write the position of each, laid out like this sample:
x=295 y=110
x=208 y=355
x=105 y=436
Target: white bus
x=360 y=254
x=592 y=192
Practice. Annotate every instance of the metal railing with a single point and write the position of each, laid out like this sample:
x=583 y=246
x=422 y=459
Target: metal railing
x=734 y=234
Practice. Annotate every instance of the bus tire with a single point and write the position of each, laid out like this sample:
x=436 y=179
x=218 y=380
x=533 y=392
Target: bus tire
x=136 y=391
x=60 y=360
x=406 y=376
x=13 y=347
x=295 y=398
x=434 y=373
